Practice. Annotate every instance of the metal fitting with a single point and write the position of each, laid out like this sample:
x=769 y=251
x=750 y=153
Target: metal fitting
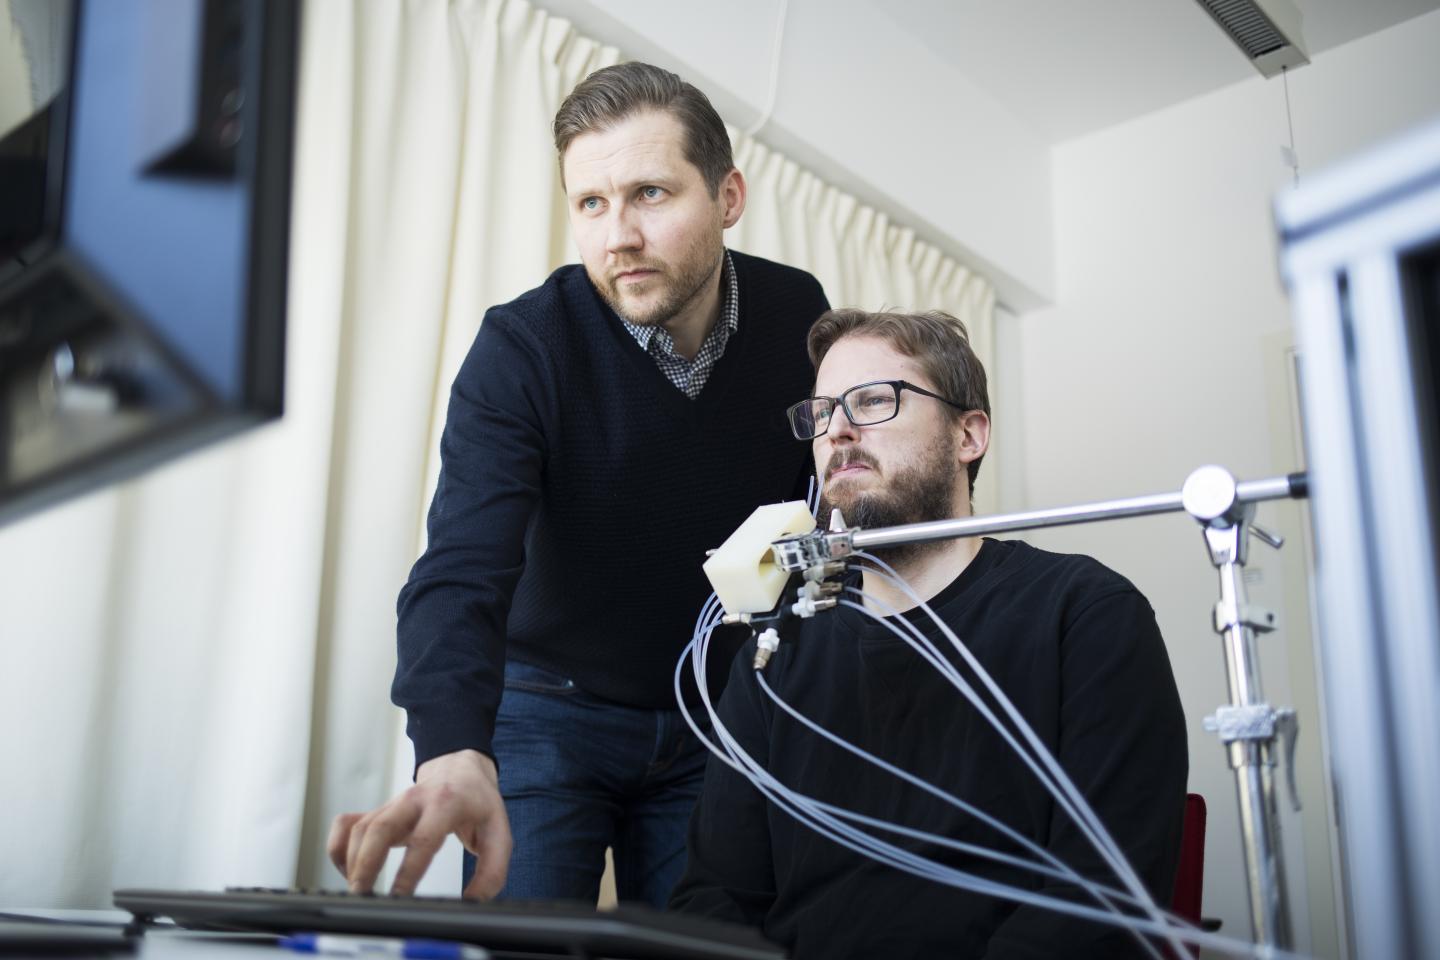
x=765 y=644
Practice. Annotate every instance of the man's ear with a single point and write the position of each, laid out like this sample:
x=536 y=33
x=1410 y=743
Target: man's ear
x=732 y=197
x=973 y=433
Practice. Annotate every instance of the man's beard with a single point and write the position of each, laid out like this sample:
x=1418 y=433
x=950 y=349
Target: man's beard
x=683 y=280
x=915 y=493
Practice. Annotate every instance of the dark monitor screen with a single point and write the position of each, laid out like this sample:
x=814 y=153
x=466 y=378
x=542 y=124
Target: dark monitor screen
x=144 y=221
x=34 y=69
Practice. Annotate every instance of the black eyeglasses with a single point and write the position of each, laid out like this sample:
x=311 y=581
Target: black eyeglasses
x=865 y=405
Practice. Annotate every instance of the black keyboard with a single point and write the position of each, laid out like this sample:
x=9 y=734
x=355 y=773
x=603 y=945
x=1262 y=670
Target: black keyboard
x=537 y=928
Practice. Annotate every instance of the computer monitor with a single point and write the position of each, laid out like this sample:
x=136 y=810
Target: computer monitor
x=144 y=220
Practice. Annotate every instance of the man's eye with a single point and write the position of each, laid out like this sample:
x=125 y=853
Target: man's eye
x=652 y=193
x=590 y=204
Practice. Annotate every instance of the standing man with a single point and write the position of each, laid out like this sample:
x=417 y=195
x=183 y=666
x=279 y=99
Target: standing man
x=604 y=430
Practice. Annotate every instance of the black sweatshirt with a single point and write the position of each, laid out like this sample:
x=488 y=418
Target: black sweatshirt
x=579 y=490
x=1077 y=650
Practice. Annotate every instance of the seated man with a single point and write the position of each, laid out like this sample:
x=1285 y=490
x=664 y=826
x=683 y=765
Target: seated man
x=900 y=414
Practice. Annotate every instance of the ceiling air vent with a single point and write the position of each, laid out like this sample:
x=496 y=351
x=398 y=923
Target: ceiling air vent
x=1266 y=31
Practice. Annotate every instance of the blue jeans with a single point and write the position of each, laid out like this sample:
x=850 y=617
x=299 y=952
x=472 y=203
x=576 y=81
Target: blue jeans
x=579 y=774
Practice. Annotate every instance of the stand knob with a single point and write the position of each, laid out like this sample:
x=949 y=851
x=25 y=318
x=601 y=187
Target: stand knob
x=1209 y=495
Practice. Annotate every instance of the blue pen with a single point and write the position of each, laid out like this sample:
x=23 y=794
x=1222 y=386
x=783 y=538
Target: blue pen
x=333 y=945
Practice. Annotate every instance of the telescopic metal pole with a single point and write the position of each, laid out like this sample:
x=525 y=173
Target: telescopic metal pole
x=1247 y=726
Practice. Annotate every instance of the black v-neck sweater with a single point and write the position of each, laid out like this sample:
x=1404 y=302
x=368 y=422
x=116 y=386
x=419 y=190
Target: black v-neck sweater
x=579 y=490
x=1074 y=646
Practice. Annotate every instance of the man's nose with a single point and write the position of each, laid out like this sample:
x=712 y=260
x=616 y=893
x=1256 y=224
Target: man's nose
x=624 y=232
x=841 y=428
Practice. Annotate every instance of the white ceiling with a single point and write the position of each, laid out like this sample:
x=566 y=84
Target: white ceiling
x=1069 y=67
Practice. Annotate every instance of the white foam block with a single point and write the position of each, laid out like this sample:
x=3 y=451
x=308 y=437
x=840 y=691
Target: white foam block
x=743 y=570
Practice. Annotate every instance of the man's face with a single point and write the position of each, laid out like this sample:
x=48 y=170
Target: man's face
x=649 y=232
x=904 y=470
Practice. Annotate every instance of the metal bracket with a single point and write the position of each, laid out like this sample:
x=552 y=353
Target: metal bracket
x=804 y=550
x=1261 y=723
x=1243 y=723
x=1252 y=615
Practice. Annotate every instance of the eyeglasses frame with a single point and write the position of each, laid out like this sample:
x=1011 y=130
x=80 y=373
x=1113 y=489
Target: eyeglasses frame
x=844 y=404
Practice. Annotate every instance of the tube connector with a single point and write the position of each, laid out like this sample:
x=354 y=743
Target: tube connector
x=765 y=644
x=824 y=571
x=807 y=607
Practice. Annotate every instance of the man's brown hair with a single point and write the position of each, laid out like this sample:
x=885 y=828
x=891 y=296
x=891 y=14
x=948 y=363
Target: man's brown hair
x=612 y=94
x=936 y=340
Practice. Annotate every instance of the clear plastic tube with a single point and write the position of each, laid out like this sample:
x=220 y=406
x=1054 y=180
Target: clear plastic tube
x=1101 y=894
x=1056 y=869
x=1076 y=806
x=807 y=811
x=824 y=818
x=812 y=496
x=922 y=646
x=927 y=651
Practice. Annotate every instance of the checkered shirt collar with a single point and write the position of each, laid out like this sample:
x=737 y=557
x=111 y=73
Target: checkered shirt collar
x=690 y=375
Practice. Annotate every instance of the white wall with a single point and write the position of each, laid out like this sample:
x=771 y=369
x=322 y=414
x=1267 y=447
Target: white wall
x=1166 y=350
x=871 y=110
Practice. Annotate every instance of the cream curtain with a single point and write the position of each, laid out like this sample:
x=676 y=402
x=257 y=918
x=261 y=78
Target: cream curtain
x=196 y=664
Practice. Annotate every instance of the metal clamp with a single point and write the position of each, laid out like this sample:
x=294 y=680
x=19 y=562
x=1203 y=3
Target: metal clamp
x=1261 y=723
x=1252 y=615
x=1243 y=723
x=804 y=550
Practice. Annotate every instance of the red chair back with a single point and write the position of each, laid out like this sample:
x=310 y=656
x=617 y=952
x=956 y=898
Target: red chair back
x=1190 y=872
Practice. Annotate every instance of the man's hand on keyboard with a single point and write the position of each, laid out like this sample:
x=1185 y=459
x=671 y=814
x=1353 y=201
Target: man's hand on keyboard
x=455 y=793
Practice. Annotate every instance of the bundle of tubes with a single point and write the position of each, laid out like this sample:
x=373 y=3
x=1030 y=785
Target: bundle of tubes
x=1146 y=921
